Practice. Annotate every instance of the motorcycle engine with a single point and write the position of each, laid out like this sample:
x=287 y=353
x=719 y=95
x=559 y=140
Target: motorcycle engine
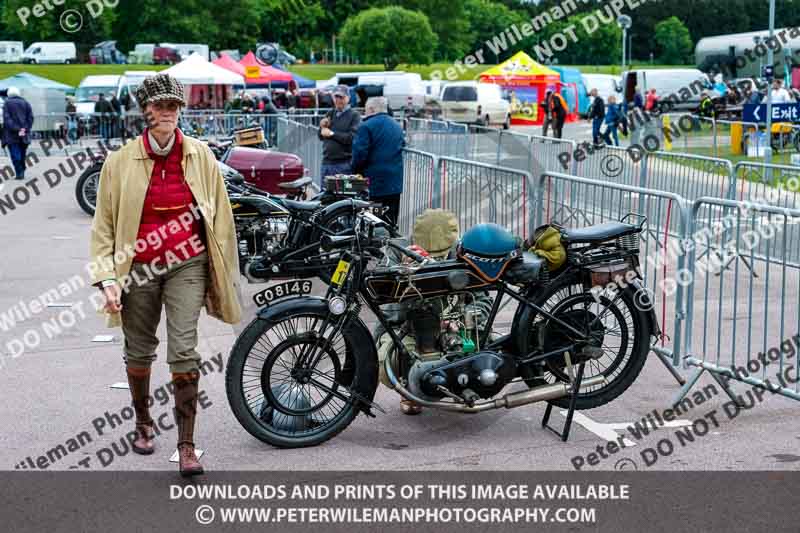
x=447 y=357
x=257 y=237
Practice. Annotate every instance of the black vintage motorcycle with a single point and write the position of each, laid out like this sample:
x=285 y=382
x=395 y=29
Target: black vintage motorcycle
x=279 y=237
x=306 y=366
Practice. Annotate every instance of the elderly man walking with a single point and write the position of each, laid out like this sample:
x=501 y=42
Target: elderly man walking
x=337 y=130
x=378 y=155
x=17 y=124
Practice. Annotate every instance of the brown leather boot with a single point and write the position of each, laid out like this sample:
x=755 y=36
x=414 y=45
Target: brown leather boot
x=139 y=383
x=186 y=389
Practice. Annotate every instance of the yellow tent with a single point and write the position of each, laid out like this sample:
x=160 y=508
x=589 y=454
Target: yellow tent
x=526 y=82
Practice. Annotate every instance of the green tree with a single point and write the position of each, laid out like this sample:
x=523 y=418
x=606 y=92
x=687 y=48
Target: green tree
x=674 y=41
x=487 y=19
x=391 y=36
x=20 y=23
x=450 y=21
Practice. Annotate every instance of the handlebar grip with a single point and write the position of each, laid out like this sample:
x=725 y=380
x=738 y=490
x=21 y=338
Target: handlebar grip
x=410 y=253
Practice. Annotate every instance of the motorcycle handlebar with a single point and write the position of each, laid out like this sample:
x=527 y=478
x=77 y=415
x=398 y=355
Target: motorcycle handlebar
x=405 y=251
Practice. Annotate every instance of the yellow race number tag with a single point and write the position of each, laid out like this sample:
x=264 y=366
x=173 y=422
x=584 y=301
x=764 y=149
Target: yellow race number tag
x=340 y=273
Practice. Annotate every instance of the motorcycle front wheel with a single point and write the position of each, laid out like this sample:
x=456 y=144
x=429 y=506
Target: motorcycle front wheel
x=86 y=189
x=288 y=407
x=613 y=321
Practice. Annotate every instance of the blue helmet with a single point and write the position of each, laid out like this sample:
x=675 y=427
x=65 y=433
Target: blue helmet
x=489 y=248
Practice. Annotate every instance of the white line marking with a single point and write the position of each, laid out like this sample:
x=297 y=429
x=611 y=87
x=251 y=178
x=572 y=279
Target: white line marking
x=59 y=304
x=608 y=431
x=103 y=338
x=120 y=385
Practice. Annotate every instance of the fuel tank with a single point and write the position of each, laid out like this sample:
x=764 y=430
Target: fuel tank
x=437 y=279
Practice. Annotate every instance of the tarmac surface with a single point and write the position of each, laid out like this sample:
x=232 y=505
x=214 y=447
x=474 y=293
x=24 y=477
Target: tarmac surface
x=59 y=404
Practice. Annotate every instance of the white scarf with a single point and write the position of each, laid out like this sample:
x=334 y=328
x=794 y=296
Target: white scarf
x=156 y=148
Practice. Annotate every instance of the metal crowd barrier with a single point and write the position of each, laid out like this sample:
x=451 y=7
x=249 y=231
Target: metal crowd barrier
x=303 y=141
x=737 y=327
x=571 y=201
x=438 y=137
x=421 y=187
x=479 y=192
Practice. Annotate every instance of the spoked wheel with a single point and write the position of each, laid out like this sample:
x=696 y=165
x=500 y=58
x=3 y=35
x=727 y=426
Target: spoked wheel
x=86 y=189
x=613 y=323
x=289 y=405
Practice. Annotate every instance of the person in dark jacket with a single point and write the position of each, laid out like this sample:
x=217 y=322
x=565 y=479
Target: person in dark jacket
x=104 y=114
x=116 y=107
x=597 y=113
x=548 y=117
x=337 y=130
x=17 y=124
x=378 y=155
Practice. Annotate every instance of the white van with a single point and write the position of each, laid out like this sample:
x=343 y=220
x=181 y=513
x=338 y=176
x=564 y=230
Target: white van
x=11 y=51
x=475 y=103
x=606 y=85
x=687 y=84
x=88 y=92
x=185 y=50
x=403 y=93
x=50 y=53
x=128 y=83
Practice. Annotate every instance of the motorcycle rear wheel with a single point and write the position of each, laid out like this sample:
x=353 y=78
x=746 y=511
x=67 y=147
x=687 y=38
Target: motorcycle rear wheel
x=616 y=323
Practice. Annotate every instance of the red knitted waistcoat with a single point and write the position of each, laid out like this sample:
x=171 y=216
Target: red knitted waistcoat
x=168 y=197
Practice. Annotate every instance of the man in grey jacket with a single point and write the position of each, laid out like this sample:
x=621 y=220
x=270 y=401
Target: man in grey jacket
x=337 y=130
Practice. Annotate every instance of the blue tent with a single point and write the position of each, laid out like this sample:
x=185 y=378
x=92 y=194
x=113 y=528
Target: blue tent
x=302 y=83
x=24 y=80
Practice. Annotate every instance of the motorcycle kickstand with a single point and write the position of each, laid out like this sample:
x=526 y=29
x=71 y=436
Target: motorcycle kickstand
x=564 y=434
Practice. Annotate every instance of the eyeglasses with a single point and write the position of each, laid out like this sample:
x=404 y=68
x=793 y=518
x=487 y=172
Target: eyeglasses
x=339 y=96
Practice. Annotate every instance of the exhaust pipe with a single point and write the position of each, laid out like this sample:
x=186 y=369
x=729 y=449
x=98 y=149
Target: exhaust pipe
x=509 y=401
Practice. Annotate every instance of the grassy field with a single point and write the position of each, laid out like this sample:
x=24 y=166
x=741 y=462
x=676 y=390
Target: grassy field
x=73 y=74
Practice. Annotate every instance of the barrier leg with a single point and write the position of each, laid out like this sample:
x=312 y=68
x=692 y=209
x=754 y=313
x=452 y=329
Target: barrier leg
x=667 y=362
x=727 y=388
x=688 y=386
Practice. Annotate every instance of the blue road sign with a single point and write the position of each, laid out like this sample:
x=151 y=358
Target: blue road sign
x=780 y=113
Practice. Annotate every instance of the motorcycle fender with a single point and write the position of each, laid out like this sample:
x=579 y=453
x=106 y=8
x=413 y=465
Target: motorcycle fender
x=356 y=333
x=348 y=206
x=643 y=300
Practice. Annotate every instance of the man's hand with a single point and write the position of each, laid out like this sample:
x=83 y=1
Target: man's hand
x=22 y=132
x=113 y=298
x=325 y=123
x=325 y=132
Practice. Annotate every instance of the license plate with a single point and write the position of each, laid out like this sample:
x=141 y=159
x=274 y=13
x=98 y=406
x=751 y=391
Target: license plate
x=340 y=273
x=282 y=290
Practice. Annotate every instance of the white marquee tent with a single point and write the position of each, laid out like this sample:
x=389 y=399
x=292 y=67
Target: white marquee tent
x=196 y=70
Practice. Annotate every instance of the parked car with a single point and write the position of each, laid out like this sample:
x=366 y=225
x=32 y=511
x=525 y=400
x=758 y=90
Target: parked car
x=475 y=103
x=166 y=55
x=87 y=93
x=185 y=50
x=403 y=93
x=106 y=53
x=142 y=54
x=11 y=51
x=50 y=53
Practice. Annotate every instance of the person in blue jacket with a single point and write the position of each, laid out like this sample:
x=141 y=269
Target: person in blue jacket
x=378 y=155
x=612 y=120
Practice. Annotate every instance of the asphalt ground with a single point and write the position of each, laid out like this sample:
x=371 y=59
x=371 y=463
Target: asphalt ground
x=59 y=404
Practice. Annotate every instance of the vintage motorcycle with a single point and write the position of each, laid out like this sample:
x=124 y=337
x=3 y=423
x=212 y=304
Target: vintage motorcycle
x=306 y=366
x=279 y=237
x=264 y=169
